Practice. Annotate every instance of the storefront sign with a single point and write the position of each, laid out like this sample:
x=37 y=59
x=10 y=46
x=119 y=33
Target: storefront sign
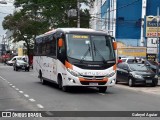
x=152 y=50
x=152 y=42
x=151 y=57
x=151 y=26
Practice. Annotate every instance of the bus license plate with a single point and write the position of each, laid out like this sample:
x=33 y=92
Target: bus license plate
x=93 y=84
x=148 y=81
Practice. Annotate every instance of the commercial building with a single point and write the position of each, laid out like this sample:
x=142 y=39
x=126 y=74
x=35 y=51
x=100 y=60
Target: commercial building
x=125 y=19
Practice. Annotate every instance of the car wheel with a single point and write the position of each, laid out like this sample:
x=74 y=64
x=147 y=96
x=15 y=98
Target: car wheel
x=154 y=84
x=117 y=81
x=27 y=69
x=60 y=84
x=102 y=89
x=16 y=69
x=130 y=82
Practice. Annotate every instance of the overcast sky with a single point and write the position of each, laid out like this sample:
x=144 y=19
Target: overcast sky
x=5 y=9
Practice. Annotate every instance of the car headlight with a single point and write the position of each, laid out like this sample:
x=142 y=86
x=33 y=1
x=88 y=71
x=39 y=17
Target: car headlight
x=18 y=64
x=138 y=76
x=73 y=72
x=156 y=76
x=110 y=75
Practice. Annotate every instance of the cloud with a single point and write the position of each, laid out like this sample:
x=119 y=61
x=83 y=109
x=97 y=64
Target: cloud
x=5 y=9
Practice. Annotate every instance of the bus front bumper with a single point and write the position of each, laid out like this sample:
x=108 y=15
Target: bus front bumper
x=71 y=80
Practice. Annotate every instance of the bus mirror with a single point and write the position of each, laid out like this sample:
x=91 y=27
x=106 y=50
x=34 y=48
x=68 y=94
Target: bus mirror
x=60 y=42
x=115 y=45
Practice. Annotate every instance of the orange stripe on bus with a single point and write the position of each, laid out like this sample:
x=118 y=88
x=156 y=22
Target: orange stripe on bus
x=86 y=80
x=68 y=65
x=115 y=67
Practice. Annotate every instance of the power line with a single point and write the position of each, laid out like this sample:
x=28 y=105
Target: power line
x=118 y=8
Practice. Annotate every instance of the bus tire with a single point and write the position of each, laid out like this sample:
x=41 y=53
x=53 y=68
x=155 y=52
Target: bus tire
x=41 y=78
x=60 y=84
x=102 y=89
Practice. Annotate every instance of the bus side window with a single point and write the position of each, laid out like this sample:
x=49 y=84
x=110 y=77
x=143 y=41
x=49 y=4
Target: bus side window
x=53 y=47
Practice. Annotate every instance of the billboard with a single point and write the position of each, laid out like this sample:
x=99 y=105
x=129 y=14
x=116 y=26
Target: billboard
x=132 y=51
x=151 y=26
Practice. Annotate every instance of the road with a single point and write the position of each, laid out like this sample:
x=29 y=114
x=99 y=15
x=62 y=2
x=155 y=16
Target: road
x=23 y=91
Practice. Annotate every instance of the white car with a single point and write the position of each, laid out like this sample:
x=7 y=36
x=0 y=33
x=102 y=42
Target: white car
x=12 y=61
x=131 y=59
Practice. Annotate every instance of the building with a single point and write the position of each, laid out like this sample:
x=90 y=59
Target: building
x=125 y=19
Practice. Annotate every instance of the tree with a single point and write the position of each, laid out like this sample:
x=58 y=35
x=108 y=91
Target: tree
x=24 y=28
x=37 y=16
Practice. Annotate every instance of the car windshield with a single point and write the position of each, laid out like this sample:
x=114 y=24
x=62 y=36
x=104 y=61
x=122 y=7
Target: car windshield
x=21 y=61
x=19 y=58
x=90 y=47
x=152 y=62
x=138 y=67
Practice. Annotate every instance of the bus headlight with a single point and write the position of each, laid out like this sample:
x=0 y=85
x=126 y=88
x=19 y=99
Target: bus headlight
x=73 y=72
x=110 y=75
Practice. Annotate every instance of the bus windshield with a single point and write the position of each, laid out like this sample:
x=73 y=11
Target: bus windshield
x=90 y=47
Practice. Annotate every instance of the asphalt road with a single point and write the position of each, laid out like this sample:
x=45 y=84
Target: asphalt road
x=23 y=91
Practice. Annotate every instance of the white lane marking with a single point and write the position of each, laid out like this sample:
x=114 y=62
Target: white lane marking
x=21 y=91
x=26 y=95
x=32 y=100
x=101 y=93
x=17 y=89
x=40 y=106
x=2 y=78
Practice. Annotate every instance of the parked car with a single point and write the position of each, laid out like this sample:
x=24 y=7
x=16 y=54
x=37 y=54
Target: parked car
x=21 y=64
x=131 y=59
x=136 y=74
x=12 y=61
x=152 y=65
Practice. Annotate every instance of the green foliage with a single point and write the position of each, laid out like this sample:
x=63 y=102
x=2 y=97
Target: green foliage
x=38 y=16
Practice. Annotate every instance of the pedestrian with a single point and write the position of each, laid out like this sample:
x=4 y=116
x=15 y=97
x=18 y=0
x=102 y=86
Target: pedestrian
x=119 y=60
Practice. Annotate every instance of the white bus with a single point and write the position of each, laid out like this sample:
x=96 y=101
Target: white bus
x=75 y=57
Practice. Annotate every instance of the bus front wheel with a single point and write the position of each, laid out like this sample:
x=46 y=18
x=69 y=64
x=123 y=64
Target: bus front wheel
x=60 y=84
x=102 y=89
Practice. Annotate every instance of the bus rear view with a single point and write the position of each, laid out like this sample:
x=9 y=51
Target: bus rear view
x=84 y=58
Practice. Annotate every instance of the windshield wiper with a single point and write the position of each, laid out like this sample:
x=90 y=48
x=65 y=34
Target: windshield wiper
x=85 y=54
x=95 y=49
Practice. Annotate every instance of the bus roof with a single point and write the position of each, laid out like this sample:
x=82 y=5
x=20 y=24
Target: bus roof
x=73 y=30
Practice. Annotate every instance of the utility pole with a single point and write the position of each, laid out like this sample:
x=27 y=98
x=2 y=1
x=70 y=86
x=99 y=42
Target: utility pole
x=158 y=42
x=78 y=14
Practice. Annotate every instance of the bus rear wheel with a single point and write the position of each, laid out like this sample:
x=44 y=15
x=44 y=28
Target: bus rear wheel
x=41 y=78
x=102 y=89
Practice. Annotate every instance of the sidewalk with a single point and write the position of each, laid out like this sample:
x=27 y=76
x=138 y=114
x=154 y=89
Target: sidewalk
x=158 y=81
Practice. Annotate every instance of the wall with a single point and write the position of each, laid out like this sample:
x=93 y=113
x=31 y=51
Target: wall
x=128 y=19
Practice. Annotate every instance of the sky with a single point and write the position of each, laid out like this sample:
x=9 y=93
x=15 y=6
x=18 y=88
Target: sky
x=5 y=9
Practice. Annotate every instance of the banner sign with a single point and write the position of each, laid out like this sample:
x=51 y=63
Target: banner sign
x=152 y=42
x=151 y=57
x=151 y=26
x=132 y=51
x=152 y=50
